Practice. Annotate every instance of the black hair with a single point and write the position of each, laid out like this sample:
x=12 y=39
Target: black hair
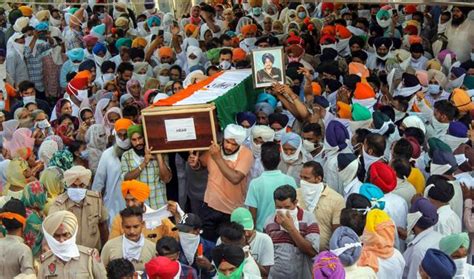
x=361 y=134
x=316 y=168
x=416 y=133
x=377 y=143
x=70 y=76
x=75 y=146
x=361 y=20
x=212 y=67
x=270 y=155
x=64 y=117
x=388 y=111
x=167 y=245
x=340 y=21
x=225 y=51
x=125 y=66
x=402 y=167
x=224 y=37
x=285 y=192
x=130 y=111
x=175 y=82
x=353 y=219
x=119 y=268
x=418 y=14
x=178 y=68
x=402 y=101
x=445 y=107
x=446 y=13
x=25 y=85
x=131 y=211
x=81 y=114
x=402 y=149
x=13 y=206
x=314 y=128
x=233 y=232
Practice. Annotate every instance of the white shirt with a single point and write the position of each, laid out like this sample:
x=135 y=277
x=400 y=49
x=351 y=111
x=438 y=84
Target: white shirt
x=109 y=176
x=261 y=248
x=391 y=267
x=352 y=187
x=448 y=221
x=456 y=203
x=251 y=269
x=405 y=190
x=416 y=251
x=359 y=272
x=397 y=209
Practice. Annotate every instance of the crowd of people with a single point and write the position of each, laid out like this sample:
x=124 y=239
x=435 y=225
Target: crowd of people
x=360 y=165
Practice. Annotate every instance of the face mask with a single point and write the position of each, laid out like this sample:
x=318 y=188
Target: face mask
x=123 y=144
x=250 y=42
x=84 y=155
x=461 y=265
x=384 y=23
x=101 y=16
x=383 y=58
x=141 y=78
x=301 y=15
x=55 y=22
x=368 y=159
x=293 y=214
x=257 y=11
x=236 y=274
x=192 y=62
x=154 y=30
x=2 y=105
x=291 y=158
x=98 y=60
x=309 y=146
x=434 y=89
x=65 y=250
x=163 y=80
x=76 y=194
x=189 y=242
x=438 y=127
x=412 y=219
x=279 y=134
x=349 y=22
x=29 y=99
x=256 y=149
x=82 y=95
x=225 y=65
x=43 y=124
x=116 y=13
x=311 y=193
x=108 y=77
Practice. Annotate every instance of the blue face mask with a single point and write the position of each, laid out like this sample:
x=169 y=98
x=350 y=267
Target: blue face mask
x=84 y=155
x=302 y=15
x=434 y=89
x=257 y=11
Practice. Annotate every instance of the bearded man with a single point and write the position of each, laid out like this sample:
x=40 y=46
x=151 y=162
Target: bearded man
x=459 y=33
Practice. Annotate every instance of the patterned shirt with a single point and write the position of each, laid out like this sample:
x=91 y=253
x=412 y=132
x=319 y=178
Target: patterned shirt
x=34 y=63
x=73 y=39
x=149 y=175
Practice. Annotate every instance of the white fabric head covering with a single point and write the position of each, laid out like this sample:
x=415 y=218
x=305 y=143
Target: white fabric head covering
x=189 y=42
x=194 y=50
x=235 y=132
x=77 y=173
x=99 y=115
x=96 y=137
x=414 y=121
x=64 y=250
x=46 y=150
x=192 y=77
x=264 y=132
x=159 y=96
x=21 y=23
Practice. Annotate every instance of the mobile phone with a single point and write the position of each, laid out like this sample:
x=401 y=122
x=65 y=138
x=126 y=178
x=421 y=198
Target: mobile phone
x=160 y=33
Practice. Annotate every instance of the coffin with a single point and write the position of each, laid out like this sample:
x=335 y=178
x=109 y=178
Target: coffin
x=179 y=128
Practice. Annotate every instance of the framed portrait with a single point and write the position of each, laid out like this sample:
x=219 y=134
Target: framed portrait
x=267 y=66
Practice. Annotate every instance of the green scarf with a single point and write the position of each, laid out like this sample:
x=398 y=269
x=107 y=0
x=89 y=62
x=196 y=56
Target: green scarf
x=236 y=274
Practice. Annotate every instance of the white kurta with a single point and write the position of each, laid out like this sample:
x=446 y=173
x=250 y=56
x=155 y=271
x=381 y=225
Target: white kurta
x=109 y=176
x=352 y=187
x=391 y=267
x=448 y=221
x=397 y=209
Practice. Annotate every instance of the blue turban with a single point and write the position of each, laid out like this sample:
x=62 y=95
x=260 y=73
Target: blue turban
x=99 y=47
x=99 y=29
x=279 y=118
x=76 y=54
x=153 y=19
x=438 y=265
x=246 y=115
x=292 y=139
x=458 y=71
x=42 y=26
x=264 y=107
x=87 y=65
x=457 y=129
x=337 y=134
x=429 y=213
x=267 y=98
x=124 y=98
x=341 y=237
x=373 y=194
x=320 y=100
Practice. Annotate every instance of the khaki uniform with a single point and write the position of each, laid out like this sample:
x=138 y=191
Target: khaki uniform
x=15 y=257
x=88 y=265
x=165 y=229
x=89 y=213
x=113 y=249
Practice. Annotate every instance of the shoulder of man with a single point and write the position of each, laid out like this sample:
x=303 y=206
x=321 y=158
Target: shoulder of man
x=93 y=194
x=91 y=252
x=61 y=199
x=46 y=255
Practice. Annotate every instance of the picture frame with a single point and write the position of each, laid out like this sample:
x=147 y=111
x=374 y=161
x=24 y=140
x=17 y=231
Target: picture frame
x=268 y=66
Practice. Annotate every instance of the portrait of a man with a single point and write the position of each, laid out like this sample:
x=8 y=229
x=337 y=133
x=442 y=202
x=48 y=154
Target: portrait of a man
x=268 y=73
x=267 y=66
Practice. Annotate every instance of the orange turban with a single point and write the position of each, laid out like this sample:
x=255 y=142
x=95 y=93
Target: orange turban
x=165 y=52
x=344 y=110
x=343 y=32
x=139 y=42
x=238 y=54
x=84 y=74
x=77 y=18
x=26 y=11
x=191 y=28
x=359 y=69
x=316 y=88
x=329 y=30
x=122 y=124
x=248 y=28
x=364 y=91
x=462 y=100
x=413 y=39
x=139 y=190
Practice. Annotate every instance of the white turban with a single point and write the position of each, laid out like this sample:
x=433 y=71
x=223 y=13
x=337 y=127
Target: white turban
x=194 y=50
x=21 y=23
x=46 y=150
x=77 y=173
x=235 y=132
x=414 y=121
x=264 y=132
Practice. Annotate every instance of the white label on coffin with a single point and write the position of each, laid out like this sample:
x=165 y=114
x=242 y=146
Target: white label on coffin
x=180 y=129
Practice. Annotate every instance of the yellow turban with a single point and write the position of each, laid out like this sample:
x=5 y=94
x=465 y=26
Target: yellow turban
x=462 y=100
x=43 y=15
x=165 y=52
x=417 y=179
x=77 y=173
x=52 y=222
x=344 y=110
x=122 y=22
x=137 y=189
x=26 y=11
x=433 y=64
x=139 y=42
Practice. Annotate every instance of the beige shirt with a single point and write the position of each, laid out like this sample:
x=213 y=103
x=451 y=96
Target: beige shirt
x=87 y=265
x=15 y=257
x=90 y=213
x=113 y=249
x=327 y=213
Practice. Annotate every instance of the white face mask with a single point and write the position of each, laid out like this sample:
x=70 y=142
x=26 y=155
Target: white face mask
x=29 y=99
x=65 y=250
x=98 y=60
x=293 y=215
x=384 y=23
x=279 y=134
x=154 y=30
x=76 y=194
x=438 y=127
x=43 y=124
x=412 y=219
x=461 y=268
x=163 y=80
x=399 y=114
x=123 y=144
x=309 y=146
x=108 y=77
x=225 y=65
x=55 y=22
x=256 y=149
x=368 y=159
x=141 y=78
x=82 y=95
x=311 y=193
x=250 y=42
x=189 y=242
x=293 y=157
x=192 y=62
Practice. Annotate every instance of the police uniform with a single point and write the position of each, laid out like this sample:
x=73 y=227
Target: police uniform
x=89 y=213
x=263 y=76
x=15 y=257
x=87 y=265
x=113 y=249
